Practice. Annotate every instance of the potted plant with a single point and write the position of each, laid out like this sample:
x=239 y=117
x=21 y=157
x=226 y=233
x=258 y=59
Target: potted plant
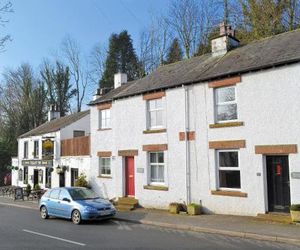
x=295 y=212
x=51 y=169
x=59 y=170
x=174 y=207
x=81 y=181
x=36 y=187
x=16 y=168
x=194 y=209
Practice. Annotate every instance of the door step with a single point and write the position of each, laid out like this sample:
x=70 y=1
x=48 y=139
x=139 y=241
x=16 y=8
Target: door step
x=276 y=217
x=126 y=204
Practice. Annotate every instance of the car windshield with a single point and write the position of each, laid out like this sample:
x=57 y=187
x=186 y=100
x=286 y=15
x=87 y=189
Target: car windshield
x=82 y=194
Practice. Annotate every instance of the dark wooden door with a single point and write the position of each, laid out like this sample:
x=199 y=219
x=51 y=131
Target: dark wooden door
x=62 y=179
x=35 y=177
x=278 y=183
x=129 y=176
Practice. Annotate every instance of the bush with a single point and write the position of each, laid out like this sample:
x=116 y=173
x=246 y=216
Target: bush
x=81 y=181
x=37 y=187
x=28 y=189
x=295 y=207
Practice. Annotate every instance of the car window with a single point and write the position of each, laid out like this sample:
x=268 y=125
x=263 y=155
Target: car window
x=64 y=194
x=82 y=194
x=47 y=194
x=54 y=194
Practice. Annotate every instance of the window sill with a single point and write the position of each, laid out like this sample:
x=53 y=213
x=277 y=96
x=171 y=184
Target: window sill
x=154 y=131
x=226 y=124
x=229 y=193
x=104 y=176
x=104 y=129
x=159 y=188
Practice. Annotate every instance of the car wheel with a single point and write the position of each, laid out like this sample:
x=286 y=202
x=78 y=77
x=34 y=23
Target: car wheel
x=76 y=217
x=44 y=213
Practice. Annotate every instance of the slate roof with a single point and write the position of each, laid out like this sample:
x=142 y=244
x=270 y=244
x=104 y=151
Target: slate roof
x=269 y=52
x=56 y=124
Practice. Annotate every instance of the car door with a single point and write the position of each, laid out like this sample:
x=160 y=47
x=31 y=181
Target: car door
x=53 y=205
x=65 y=203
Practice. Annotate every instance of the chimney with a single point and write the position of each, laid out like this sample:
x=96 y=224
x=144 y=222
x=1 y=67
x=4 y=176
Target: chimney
x=225 y=42
x=100 y=92
x=96 y=95
x=53 y=113
x=119 y=79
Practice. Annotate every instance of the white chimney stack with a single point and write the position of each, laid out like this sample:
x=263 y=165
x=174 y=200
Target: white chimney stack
x=225 y=42
x=96 y=95
x=53 y=113
x=119 y=79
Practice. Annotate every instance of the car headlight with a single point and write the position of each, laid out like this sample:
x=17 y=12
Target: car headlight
x=90 y=209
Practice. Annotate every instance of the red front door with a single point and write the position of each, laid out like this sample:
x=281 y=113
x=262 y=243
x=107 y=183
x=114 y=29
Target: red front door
x=129 y=176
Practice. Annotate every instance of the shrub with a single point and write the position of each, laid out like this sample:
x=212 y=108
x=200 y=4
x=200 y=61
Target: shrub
x=28 y=189
x=81 y=181
x=36 y=187
x=295 y=207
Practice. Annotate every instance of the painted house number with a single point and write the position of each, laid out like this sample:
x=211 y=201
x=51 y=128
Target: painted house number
x=295 y=175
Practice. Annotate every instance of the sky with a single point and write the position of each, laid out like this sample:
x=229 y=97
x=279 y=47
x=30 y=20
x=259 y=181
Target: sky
x=37 y=27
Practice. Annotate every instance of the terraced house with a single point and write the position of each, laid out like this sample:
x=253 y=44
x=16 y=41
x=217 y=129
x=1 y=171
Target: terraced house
x=55 y=153
x=221 y=129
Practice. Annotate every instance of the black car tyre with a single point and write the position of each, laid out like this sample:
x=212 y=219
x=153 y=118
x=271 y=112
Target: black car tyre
x=44 y=213
x=76 y=217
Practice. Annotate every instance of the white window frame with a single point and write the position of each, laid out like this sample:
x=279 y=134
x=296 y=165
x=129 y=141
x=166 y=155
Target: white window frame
x=217 y=104
x=156 y=183
x=228 y=169
x=101 y=167
x=106 y=122
x=150 y=126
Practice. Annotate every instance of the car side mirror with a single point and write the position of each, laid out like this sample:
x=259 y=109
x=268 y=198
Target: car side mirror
x=66 y=199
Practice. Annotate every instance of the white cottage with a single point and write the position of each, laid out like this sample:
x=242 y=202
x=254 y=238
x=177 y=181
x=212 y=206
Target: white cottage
x=221 y=129
x=55 y=153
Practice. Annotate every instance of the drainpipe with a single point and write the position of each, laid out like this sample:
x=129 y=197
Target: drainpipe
x=187 y=148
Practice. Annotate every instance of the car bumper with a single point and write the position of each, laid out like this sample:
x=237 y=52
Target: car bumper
x=98 y=215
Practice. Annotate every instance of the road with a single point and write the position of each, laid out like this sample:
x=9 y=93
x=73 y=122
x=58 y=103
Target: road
x=23 y=229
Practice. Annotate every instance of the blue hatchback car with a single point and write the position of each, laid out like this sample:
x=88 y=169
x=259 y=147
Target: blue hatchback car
x=75 y=203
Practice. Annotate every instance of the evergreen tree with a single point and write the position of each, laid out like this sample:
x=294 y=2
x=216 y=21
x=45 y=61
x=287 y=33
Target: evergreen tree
x=121 y=57
x=59 y=88
x=175 y=53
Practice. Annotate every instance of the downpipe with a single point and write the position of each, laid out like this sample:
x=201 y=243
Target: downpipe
x=187 y=148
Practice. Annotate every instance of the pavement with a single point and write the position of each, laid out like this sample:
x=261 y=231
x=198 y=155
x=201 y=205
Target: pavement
x=224 y=225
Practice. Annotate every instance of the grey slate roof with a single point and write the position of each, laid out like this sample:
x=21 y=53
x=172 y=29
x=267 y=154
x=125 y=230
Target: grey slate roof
x=56 y=124
x=269 y=52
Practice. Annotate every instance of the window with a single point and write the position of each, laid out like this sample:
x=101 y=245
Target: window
x=25 y=175
x=105 y=168
x=40 y=176
x=104 y=121
x=78 y=133
x=155 y=113
x=54 y=194
x=25 y=149
x=36 y=149
x=226 y=105
x=229 y=170
x=157 y=167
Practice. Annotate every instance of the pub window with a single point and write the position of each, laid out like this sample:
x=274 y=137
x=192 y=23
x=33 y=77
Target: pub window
x=20 y=174
x=41 y=173
x=25 y=175
x=36 y=149
x=78 y=133
x=25 y=150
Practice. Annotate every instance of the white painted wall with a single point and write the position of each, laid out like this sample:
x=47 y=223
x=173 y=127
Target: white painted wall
x=268 y=104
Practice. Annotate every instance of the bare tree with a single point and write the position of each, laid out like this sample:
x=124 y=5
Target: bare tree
x=80 y=75
x=292 y=16
x=154 y=43
x=97 y=63
x=4 y=9
x=184 y=16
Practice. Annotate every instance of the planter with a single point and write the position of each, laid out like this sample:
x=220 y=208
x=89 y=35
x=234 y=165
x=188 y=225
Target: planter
x=295 y=216
x=174 y=208
x=194 y=209
x=59 y=170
